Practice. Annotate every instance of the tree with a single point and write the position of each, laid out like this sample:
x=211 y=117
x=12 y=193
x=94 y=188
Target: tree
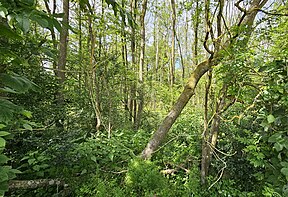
x=244 y=27
x=141 y=65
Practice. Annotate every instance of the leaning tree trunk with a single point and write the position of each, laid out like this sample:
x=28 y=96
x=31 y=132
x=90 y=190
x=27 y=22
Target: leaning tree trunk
x=246 y=21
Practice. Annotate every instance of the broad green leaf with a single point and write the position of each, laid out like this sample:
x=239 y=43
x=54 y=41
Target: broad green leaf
x=23 y=22
x=284 y=171
x=2 y=142
x=274 y=138
x=17 y=83
x=3 y=158
x=28 y=127
x=7 y=32
x=284 y=164
x=7 y=109
x=278 y=146
x=2 y=126
x=36 y=167
x=31 y=161
x=40 y=20
x=3 y=175
x=270 y=118
x=4 y=133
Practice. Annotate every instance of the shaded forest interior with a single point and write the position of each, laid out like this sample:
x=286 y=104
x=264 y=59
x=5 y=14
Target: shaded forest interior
x=143 y=98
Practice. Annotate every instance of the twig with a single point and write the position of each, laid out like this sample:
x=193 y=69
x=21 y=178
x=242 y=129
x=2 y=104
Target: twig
x=273 y=14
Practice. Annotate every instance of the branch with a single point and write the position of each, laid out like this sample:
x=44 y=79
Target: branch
x=31 y=184
x=239 y=7
x=273 y=14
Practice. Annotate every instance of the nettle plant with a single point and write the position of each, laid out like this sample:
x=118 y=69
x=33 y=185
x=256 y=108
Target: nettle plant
x=11 y=117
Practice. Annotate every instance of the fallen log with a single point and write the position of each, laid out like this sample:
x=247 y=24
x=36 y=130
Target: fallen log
x=32 y=184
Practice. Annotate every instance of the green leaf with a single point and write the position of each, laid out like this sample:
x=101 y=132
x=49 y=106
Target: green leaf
x=93 y=158
x=2 y=126
x=2 y=192
x=28 y=2
x=26 y=113
x=84 y=171
x=18 y=83
x=278 y=146
x=3 y=187
x=4 y=133
x=284 y=164
x=285 y=143
x=3 y=12
x=2 y=142
x=3 y=175
x=28 y=127
x=7 y=32
x=284 y=171
x=111 y=156
x=23 y=22
x=57 y=25
x=274 y=138
x=31 y=161
x=3 y=158
x=40 y=20
x=9 y=90
x=270 y=118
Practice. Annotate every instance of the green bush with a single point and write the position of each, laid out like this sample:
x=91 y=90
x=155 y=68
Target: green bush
x=96 y=186
x=144 y=179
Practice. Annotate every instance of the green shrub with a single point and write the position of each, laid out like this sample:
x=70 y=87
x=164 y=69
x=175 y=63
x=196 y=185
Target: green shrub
x=144 y=179
x=96 y=186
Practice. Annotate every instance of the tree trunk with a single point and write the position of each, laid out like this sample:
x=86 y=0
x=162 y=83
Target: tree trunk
x=132 y=103
x=200 y=70
x=63 y=42
x=205 y=135
x=172 y=62
x=141 y=66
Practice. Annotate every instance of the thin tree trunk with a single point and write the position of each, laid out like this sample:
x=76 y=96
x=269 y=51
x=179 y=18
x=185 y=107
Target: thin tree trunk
x=206 y=142
x=200 y=70
x=172 y=62
x=63 y=42
x=53 y=35
x=205 y=135
x=196 y=30
x=141 y=66
x=92 y=79
x=181 y=57
x=133 y=104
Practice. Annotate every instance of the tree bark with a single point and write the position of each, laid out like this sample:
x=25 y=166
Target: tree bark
x=205 y=135
x=200 y=70
x=141 y=66
x=31 y=184
x=132 y=103
x=63 y=42
x=172 y=62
